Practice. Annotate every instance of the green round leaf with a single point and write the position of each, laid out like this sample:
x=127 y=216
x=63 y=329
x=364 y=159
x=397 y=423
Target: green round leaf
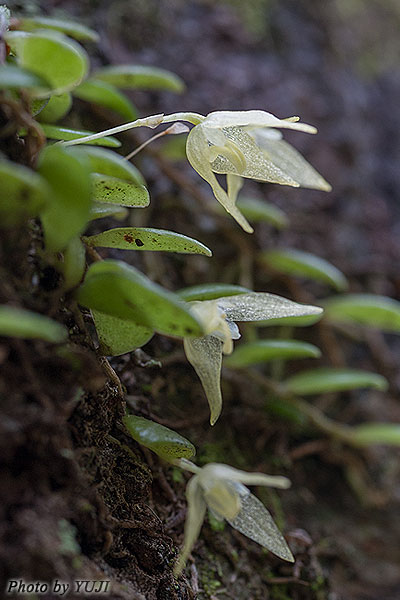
x=262 y=351
x=105 y=94
x=165 y=442
x=24 y=193
x=210 y=291
x=15 y=78
x=68 y=176
x=119 y=290
x=257 y=211
x=146 y=238
x=303 y=264
x=118 y=191
x=54 y=132
x=56 y=58
x=376 y=311
x=75 y=30
x=376 y=433
x=110 y=163
x=21 y=323
x=119 y=336
x=74 y=263
x=324 y=380
x=141 y=77
x=56 y=108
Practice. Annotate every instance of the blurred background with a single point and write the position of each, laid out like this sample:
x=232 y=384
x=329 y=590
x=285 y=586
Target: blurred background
x=335 y=63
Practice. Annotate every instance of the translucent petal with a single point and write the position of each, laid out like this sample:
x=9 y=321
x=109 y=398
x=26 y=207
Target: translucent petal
x=252 y=118
x=234 y=329
x=234 y=185
x=215 y=471
x=205 y=356
x=256 y=523
x=223 y=500
x=260 y=306
x=291 y=162
x=194 y=520
x=198 y=155
x=214 y=322
x=257 y=165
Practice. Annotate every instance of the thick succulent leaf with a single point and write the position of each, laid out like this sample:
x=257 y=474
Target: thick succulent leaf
x=259 y=306
x=197 y=151
x=54 y=132
x=75 y=30
x=262 y=351
x=74 y=263
x=256 y=165
x=141 y=77
x=166 y=443
x=194 y=519
x=24 y=193
x=324 y=380
x=304 y=264
x=205 y=356
x=117 y=289
x=258 y=211
x=110 y=163
x=100 y=210
x=146 y=238
x=107 y=95
x=387 y=434
x=21 y=323
x=68 y=176
x=290 y=161
x=210 y=291
x=365 y=309
x=119 y=336
x=253 y=118
x=56 y=108
x=58 y=59
x=114 y=190
x=255 y=522
x=15 y=78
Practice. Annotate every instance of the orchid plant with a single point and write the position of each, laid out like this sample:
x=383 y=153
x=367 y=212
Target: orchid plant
x=218 y=319
x=238 y=144
x=221 y=489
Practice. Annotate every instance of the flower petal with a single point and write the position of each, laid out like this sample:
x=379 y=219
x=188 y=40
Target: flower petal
x=257 y=165
x=291 y=162
x=234 y=185
x=260 y=306
x=256 y=523
x=198 y=155
x=205 y=356
x=222 y=499
x=252 y=118
x=215 y=471
x=194 y=519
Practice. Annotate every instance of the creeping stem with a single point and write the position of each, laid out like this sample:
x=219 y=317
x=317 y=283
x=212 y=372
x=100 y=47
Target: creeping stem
x=152 y=122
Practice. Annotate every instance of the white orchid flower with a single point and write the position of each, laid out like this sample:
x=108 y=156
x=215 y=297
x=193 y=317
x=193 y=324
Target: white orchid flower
x=246 y=144
x=220 y=488
x=218 y=318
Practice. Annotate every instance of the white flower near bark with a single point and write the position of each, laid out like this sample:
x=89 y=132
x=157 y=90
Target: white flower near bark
x=218 y=318
x=246 y=144
x=221 y=489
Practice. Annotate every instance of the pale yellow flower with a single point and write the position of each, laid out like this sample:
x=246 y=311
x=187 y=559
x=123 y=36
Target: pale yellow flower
x=218 y=319
x=246 y=144
x=220 y=488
